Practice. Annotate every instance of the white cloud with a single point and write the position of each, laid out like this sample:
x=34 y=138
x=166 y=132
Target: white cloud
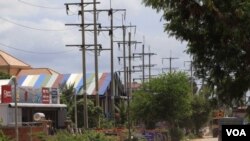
x=147 y=22
x=14 y=8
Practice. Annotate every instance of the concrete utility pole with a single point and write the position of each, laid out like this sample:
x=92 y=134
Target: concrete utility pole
x=123 y=42
x=191 y=74
x=124 y=60
x=130 y=89
x=14 y=82
x=83 y=49
x=170 y=62
x=143 y=66
x=149 y=62
x=96 y=55
x=111 y=33
x=85 y=109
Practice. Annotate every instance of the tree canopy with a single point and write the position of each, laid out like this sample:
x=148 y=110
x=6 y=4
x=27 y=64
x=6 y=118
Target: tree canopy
x=165 y=98
x=217 y=33
x=4 y=75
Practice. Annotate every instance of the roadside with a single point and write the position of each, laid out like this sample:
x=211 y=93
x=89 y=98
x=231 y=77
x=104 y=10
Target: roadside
x=206 y=138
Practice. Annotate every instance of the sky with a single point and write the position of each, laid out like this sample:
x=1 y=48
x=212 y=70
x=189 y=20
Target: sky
x=34 y=31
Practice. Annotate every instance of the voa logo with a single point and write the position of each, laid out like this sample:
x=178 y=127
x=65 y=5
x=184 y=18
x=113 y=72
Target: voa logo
x=236 y=132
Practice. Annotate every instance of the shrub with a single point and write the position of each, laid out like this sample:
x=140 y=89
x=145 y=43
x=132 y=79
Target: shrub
x=3 y=137
x=86 y=136
x=176 y=134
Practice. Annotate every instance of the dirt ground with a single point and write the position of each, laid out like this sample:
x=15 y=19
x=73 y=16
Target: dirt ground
x=206 y=138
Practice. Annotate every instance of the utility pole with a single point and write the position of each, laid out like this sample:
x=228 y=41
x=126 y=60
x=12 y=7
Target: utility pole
x=85 y=112
x=170 y=62
x=83 y=49
x=149 y=62
x=143 y=66
x=191 y=74
x=123 y=42
x=96 y=56
x=111 y=33
x=130 y=89
x=124 y=60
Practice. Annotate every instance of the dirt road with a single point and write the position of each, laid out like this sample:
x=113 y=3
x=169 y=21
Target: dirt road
x=208 y=138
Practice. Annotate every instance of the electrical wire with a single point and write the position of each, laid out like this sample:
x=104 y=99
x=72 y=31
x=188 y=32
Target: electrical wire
x=40 y=6
x=33 y=28
x=34 y=52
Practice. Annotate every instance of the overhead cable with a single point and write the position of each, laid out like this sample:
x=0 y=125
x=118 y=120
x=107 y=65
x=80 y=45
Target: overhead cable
x=33 y=28
x=35 y=52
x=40 y=6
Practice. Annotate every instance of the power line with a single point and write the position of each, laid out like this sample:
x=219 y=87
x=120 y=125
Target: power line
x=33 y=28
x=34 y=52
x=40 y=6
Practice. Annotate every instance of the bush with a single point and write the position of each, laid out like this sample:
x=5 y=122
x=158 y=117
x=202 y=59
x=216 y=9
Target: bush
x=86 y=136
x=3 y=137
x=176 y=134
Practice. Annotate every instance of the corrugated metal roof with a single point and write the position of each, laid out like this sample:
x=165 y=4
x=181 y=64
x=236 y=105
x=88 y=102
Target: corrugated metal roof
x=36 y=71
x=54 y=80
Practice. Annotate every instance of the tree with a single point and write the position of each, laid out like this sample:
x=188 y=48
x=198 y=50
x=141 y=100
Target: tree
x=201 y=111
x=4 y=75
x=217 y=33
x=165 y=98
x=68 y=99
x=142 y=108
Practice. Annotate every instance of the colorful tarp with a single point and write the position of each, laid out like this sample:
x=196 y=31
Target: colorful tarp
x=54 y=80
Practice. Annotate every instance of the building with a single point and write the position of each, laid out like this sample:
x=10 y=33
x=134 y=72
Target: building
x=11 y=65
x=38 y=91
x=30 y=83
x=45 y=101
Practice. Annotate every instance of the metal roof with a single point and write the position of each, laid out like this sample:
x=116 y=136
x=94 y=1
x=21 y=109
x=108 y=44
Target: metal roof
x=54 y=80
x=38 y=105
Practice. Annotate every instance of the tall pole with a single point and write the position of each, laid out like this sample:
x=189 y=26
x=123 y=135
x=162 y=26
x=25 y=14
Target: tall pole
x=96 y=56
x=85 y=112
x=149 y=68
x=124 y=60
x=143 y=64
x=16 y=114
x=191 y=75
x=170 y=61
x=192 y=83
x=112 y=61
x=74 y=94
x=129 y=83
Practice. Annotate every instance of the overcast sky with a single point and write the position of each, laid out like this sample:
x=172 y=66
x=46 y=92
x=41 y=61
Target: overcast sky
x=34 y=31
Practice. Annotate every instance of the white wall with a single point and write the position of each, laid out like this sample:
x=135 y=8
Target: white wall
x=7 y=115
x=3 y=114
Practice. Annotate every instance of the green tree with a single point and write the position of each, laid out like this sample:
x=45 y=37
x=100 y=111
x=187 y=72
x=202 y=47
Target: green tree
x=142 y=108
x=201 y=111
x=217 y=33
x=165 y=98
x=68 y=93
x=4 y=75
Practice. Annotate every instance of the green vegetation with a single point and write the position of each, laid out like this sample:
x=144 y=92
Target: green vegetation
x=87 y=136
x=4 y=137
x=93 y=111
x=169 y=98
x=4 y=75
x=217 y=33
x=165 y=98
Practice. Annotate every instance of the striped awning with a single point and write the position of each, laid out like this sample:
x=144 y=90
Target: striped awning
x=54 y=80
